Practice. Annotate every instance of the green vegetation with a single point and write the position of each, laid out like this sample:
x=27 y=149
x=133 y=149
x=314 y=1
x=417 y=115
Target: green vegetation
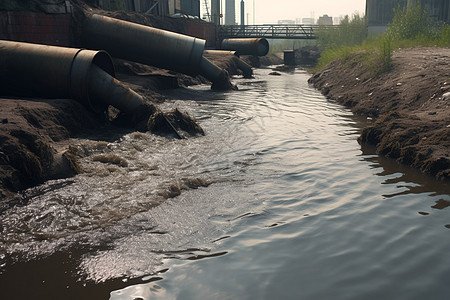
x=411 y=27
x=349 y=33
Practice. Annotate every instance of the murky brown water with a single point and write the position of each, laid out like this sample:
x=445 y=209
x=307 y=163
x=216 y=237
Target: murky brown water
x=277 y=201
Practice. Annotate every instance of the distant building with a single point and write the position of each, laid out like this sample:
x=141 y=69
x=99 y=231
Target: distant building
x=308 y=21
x=325 y=20
x=337 y=20
x=286 y=22
x=230 y=12
x=380 y=13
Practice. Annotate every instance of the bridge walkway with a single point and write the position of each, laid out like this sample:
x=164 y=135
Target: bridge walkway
x=277 y=31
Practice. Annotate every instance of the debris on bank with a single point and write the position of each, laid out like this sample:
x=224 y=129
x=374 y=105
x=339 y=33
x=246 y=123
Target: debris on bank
x=408 y=104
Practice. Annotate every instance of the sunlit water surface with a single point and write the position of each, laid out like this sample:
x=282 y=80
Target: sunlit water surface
x=277 y=201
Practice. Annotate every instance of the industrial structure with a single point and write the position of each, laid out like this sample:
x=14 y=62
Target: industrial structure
x=230 y=12
x=187 y=7
x=325 y=20
x=276 y=31
x=156 y=7
x=380 y=13
x=215 y=12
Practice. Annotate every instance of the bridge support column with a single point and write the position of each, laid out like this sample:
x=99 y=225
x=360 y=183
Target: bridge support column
x=289 y=57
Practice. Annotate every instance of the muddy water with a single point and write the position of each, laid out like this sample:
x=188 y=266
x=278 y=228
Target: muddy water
x=277 y=201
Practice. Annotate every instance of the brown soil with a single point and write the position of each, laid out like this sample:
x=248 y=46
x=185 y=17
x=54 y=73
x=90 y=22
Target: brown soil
x=409 y=105
x=32 y=135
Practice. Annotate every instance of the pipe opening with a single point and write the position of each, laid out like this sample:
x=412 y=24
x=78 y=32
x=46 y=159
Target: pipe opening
x=247 y=46
x=80 y=75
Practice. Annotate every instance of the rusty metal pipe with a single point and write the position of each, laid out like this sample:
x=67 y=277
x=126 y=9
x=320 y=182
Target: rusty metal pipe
x=246 y=69
x=247 y=46
x=220 y=78
x=108 y=90
x=150 y=46
x=87 y=76
x=144 y=44
x=50 y=71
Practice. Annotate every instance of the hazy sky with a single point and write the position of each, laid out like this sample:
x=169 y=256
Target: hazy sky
x=270 y=11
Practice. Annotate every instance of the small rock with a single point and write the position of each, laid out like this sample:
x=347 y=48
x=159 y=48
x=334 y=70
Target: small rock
x=274 y=74
x=432 y=113
x=399 y=84
x=4 y=121
x=446 y=96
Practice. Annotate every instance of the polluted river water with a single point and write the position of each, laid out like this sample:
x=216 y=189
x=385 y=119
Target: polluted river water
x=277 y=201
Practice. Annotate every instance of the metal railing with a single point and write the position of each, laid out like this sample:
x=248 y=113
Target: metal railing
x=270 y=31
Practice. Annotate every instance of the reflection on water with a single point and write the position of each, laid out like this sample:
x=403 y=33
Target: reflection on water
x=277 y=201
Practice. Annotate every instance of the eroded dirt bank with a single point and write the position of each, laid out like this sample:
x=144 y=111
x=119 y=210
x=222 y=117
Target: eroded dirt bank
x=409 y=105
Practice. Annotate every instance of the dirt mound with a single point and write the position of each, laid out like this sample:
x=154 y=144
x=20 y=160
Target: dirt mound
x=176 y=123
x=32 y=134
x=410 y=105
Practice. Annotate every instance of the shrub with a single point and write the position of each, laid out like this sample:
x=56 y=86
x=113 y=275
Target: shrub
x=410 y=23
x=350 y=32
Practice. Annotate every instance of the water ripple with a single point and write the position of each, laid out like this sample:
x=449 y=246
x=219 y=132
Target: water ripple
x=276 y=201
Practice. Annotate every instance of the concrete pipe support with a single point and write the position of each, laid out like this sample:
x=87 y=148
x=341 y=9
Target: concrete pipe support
x=247 y=46
x=150 y=46
x=34 y=70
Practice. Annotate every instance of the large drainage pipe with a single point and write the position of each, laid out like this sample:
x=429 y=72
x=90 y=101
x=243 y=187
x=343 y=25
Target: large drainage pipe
x=57 y=72
x=247 y=46
x=152 y=46
x=246 y=69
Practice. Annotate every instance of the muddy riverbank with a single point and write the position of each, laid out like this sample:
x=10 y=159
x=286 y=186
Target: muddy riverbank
x=409 y=105
x=35 y=133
